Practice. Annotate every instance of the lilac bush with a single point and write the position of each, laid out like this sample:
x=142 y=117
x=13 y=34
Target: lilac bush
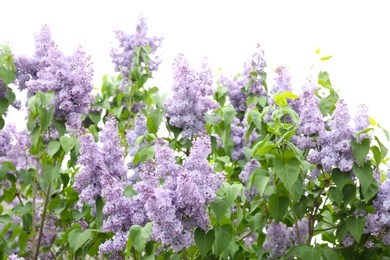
x=267 y=174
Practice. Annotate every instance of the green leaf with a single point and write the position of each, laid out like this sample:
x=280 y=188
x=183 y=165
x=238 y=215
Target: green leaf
x=140 y=235
x=257 y=221
x=278 y=206
x=355 y=226
x=143 y=154
x=154 y=120
x=3 y=105
x=5 y=219
x=225 y=159
x=228 y=115
x=223 y=236
x=34 y=136
x=159 y=100
x=287 y=172
x=377 y=155
x=261 y=180
x=326 y=57
x=364 y=174
x=336 y=195
x=77 y=238
x=309 y=253
x=219 y=207
x=340 y=178
x=329 y=254
x=204 y=241
x=59 y=126
x=67 y=143
x=360 y=150
x=371 y=191
x=53 y=147
x=129 y=191
x=349 y=193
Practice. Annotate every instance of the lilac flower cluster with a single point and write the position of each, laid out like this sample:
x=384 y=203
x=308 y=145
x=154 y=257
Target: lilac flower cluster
x=139 y=129
x=251 y=77
x=179 y=203
x=191 y=98
x=69 y=77
x=122 y=57
x=312 y=123
x=14 y=147
x=361 y=121
x=335 y=150
x=249 y=168
x=237 y=98
x=378 y=223
x=253 y=71
x=237 y=134
x=280 y=237
x=282 y=80
x=101 y=164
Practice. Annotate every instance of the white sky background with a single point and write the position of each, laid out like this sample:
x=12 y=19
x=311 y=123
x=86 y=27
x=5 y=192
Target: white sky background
x=356 y=33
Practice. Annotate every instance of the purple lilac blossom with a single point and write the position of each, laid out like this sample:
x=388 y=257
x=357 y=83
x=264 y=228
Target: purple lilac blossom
x=69 y=77
x=237 y=98
x=14 y=147
x=253 y=71
x=278 y=239
x=251 y=77
x=311 y=117
x=15 y=257
x=122 y=57
x=192 y=97
x=237 y=134
x=282 y=80
x=99 y=162
x=139 y=129
x=361 y=121
x=348 y=240
x=378 y=223
x=249 y=168
x=335 y=150
x=178 y=205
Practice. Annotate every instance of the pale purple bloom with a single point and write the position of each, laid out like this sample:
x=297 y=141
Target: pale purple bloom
x=278 y=239
x=192 y=97
x=69 y=77
x=122 y=57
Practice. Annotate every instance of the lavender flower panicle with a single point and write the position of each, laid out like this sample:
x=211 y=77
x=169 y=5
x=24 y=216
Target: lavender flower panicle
x=122 y=57
x=311 y=117
x=335 y=150
x=178 y=205
x=237 y=134
x=191 y=97
x=69 y=77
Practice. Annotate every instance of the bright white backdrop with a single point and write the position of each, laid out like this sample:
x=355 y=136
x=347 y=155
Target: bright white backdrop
x=354 y=32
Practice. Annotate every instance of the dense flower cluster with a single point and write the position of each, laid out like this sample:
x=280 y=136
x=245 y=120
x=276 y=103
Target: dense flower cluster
x=122 y=57
x=249 y=168
x=378 y=223
x=178 y=204
x=139 y=129
x=234 y=86
x=312 y=123
x=254 y=70
x=282 y=80
x=280 y=237
x=191 y=98
x=335 y=150
x=14 y=147
x=69 y=77
x=251 y=78
x=100 y=163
